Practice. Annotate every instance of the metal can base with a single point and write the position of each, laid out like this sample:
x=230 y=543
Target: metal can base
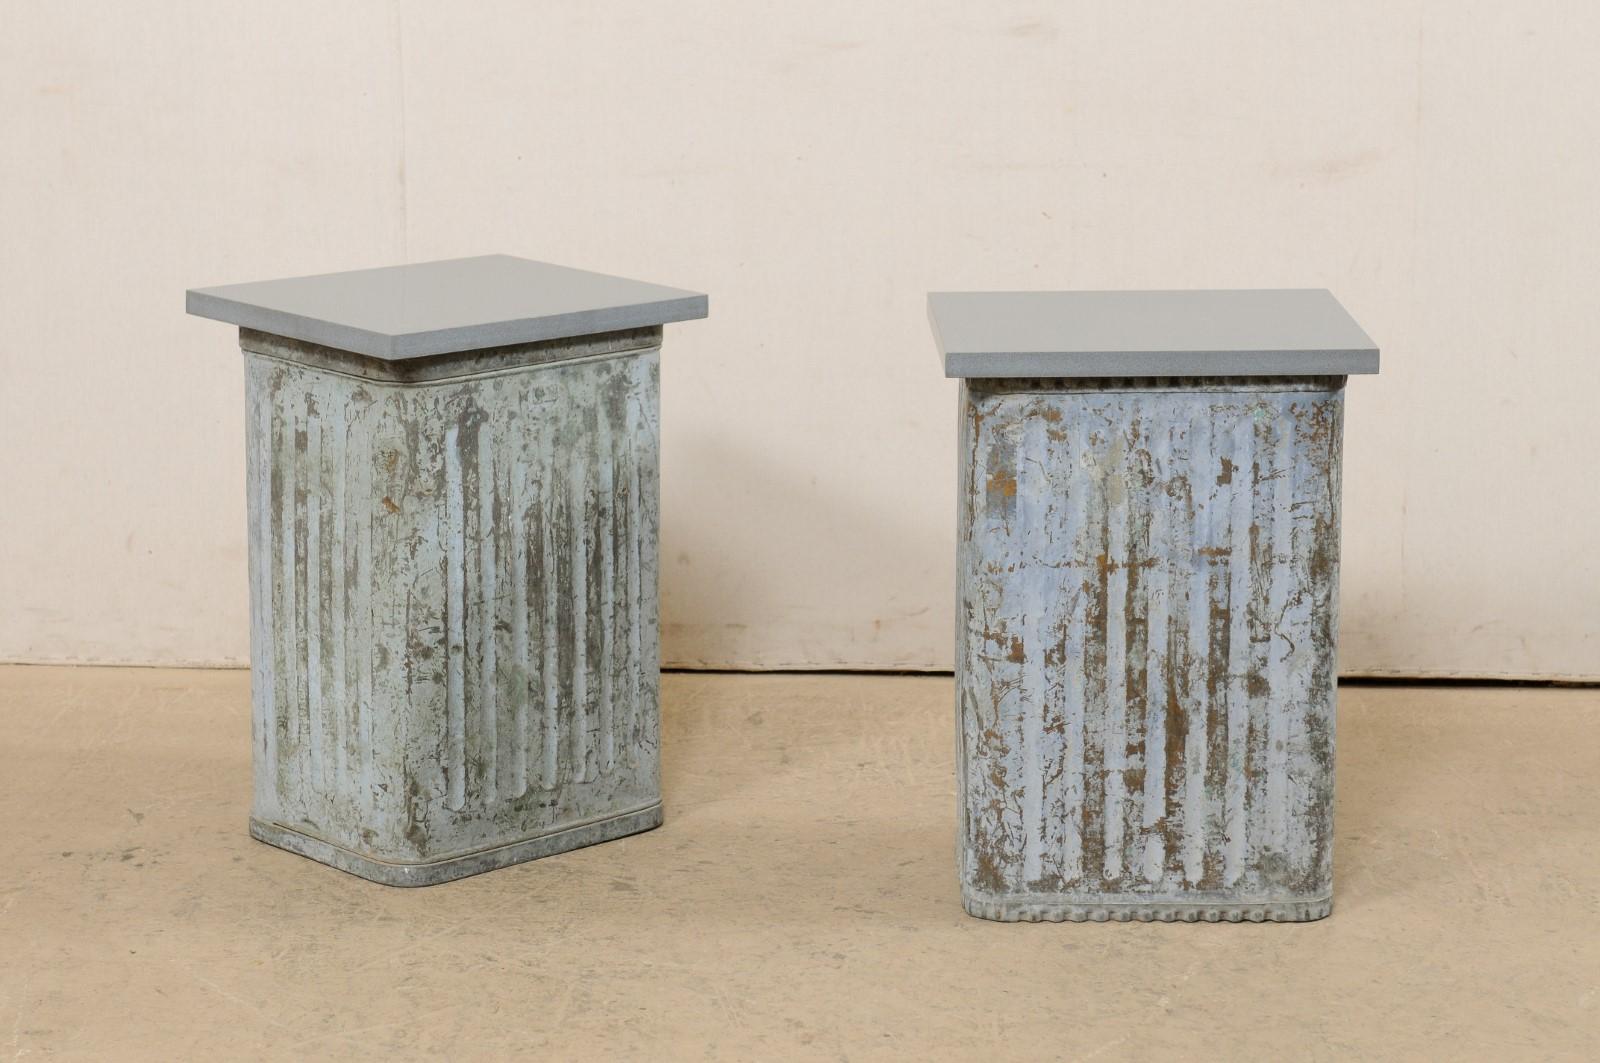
x=434 y=872
x=1026 y=909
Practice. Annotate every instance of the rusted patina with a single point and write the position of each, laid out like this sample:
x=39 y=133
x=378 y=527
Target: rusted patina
x=454 y=625
x=1147 y=618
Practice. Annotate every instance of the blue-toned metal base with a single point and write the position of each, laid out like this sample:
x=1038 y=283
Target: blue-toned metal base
x=454 y=625
x=1145 y=668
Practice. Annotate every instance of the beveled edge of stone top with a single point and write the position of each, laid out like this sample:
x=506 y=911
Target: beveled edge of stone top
x=1202 y=333
x=459 y=304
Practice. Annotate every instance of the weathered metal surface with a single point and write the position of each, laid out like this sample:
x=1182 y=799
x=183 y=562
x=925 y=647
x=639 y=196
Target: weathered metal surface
x=1148 y=597
x=453 y=588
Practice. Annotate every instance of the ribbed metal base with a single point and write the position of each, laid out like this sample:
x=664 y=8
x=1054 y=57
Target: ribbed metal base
x=435 y=872
x=1064 y=910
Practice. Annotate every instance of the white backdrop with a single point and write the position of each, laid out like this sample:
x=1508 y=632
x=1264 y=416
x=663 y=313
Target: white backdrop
x=815 y=167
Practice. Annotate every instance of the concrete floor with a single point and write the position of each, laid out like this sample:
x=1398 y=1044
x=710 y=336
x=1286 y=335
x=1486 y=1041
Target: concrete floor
x=799 y=903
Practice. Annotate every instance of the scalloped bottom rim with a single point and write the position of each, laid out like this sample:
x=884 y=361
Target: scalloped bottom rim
x=1026 y=910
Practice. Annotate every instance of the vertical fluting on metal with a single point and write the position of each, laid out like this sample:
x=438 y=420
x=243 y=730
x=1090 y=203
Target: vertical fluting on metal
x=1147 y=616
x=453 y=605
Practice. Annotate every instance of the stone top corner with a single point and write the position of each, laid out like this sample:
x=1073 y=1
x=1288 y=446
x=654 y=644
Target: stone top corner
x=1239 y=332
x=429 y=308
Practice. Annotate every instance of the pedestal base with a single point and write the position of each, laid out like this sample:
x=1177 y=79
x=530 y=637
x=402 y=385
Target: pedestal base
x=454 y=638
x=464 y=865
x=1145 y=670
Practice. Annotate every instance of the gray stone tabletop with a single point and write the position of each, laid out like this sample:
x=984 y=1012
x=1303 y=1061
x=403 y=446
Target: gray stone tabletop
x=1248 y=332
x=462 y=304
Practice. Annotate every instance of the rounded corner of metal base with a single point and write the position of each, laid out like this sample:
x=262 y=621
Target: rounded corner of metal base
x=435 y=872
x=1033 y=909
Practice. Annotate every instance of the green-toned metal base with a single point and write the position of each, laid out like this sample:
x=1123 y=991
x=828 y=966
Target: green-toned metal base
x=463 y=865
x=1034 y=909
